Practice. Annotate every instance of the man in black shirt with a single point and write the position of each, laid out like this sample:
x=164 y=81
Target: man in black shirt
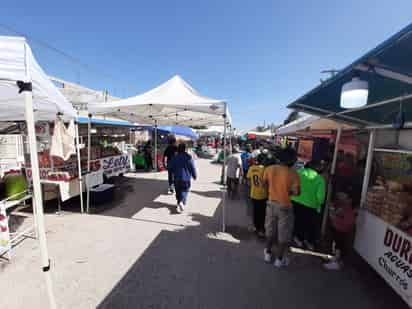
x=168 y=155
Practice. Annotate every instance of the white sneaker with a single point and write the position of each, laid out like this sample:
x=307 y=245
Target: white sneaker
x=267 y=256
x=178 y=208
x=333 y=265
x=298 y=242
x=181 y=207
x=281 y=263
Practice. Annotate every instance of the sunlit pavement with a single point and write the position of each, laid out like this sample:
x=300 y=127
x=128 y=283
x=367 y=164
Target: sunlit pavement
x=139 y=253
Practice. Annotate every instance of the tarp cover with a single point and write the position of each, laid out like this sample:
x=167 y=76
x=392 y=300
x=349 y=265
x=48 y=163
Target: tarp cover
x=17 y=63
x=388 y=70
x=309 y=122
x=175 y=130
x=174 y=102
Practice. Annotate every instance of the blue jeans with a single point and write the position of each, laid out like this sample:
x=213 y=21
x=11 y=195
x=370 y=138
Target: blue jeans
x=170 y=177
x=182 y=190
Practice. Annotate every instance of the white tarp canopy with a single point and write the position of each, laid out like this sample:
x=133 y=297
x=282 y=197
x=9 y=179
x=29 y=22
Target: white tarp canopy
x=310 y=122
x=173 y=102
x=210 y=131
x=27 y=94
x=267 y=133
x=18 y=64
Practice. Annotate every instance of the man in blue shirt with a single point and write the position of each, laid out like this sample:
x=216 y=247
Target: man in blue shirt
x=183 y=168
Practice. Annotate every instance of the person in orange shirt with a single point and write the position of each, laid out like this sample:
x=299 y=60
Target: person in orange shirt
x=282 y=181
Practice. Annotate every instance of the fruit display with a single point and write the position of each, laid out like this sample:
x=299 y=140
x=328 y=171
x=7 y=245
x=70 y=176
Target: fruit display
x=391 y=205
x=15 y=186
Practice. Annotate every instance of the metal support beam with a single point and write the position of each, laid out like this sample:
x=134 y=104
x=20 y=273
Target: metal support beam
x=330 y=182
x=224 y=171
x=37 y=191
x=368 y=168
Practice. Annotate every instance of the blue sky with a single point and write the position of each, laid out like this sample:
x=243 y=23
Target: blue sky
x=258 y=55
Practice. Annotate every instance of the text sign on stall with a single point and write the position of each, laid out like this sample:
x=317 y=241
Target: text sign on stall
x=114 y=166
x=388 y=250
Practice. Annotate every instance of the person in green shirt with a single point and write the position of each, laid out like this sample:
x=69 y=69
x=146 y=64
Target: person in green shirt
x=308 y=205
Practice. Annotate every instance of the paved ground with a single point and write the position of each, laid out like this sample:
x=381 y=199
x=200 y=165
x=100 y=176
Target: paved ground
x=141 y=254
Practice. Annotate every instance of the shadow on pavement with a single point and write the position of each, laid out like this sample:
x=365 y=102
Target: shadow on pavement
x=194 y=267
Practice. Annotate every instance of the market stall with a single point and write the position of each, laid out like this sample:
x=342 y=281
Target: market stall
x=181 y=133
x=27 y=94
x=375 y=93
x=174 y=102
x=315 y=137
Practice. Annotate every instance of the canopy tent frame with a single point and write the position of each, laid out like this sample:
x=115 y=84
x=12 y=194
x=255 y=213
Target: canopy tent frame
x=30 y=90
x=330 y=182
x=38 y=199
x=323 y=113
x=79 y=167
x=177 y=97
x=388 y=70
x=224 y=182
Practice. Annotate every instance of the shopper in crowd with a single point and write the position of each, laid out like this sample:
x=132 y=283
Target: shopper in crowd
x=183 y=169
x=245 y=156
x=307 y=205
x=282 y=182
x=147 y=152
x=234 y=172
x=345 y=171
x=258 y=195
x=343 y=219
x=169 y=154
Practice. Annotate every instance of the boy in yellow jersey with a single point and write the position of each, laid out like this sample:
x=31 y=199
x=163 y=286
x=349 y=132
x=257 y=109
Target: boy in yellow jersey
x=258 y=195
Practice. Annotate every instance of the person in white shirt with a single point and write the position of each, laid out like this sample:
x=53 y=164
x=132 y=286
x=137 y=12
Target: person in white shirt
x=234 y=173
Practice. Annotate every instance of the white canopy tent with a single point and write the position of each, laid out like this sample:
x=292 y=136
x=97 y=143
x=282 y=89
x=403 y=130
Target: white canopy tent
x=310 y=122
x=263 y=134
x=211 y=131
x=173 y=102
x=27 y=94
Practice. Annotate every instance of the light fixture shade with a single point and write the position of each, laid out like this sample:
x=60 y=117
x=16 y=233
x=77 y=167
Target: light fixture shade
x=354 y=94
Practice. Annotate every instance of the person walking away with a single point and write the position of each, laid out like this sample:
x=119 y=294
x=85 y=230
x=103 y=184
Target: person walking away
x=308 y=205
x=282 y=182
x=147 y=152
x=343 y=218
x=233 y=172
x=168 y=155
x=183 y=169
x=245 y=156
x=258 y=195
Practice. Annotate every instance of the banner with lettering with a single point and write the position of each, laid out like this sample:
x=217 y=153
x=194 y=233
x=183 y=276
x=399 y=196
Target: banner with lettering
x=388 y=250
x=114 y=166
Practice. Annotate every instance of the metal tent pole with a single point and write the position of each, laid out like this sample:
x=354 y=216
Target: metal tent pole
x=332 y=175
x=37 y=199
x=224 y=171
x=368 y=167
x=155 y=147
x=79 y=163
x=89 y=144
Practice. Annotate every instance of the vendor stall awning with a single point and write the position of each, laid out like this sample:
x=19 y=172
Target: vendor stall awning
x=388 y=71
x=105 y=122
x=175 y=130
x=310 y=122
x=173 y=102
x=17 y=63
